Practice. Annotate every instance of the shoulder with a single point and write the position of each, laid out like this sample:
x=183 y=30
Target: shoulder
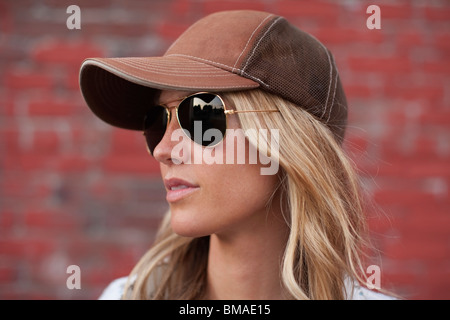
x=114 y=290
x=357 y=292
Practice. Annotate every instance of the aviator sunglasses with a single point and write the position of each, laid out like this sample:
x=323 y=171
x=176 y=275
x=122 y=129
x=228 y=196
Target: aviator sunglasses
x=203 y=109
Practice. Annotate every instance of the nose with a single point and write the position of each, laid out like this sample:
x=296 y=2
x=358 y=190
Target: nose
x=169 y=150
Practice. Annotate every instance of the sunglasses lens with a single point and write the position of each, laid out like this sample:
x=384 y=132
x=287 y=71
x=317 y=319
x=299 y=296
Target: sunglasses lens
x=200 y=113
x=155 y=124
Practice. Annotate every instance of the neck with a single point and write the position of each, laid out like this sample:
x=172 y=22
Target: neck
x=245 y=265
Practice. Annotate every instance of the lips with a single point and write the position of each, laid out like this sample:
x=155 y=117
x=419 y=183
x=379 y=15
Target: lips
x=178 y=189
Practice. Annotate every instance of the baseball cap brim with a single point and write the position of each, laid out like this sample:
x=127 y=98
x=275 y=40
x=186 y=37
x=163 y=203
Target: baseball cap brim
x=120 y=90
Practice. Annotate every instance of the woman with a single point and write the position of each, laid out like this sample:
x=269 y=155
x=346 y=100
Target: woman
x=235 y=231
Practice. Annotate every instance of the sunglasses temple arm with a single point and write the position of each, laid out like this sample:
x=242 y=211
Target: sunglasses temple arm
x=248 y=111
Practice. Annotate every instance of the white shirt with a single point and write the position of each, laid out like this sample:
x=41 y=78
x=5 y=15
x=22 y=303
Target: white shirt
x=115 y=290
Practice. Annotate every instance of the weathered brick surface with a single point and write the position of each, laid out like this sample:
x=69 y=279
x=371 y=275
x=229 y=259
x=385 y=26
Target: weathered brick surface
x=75 y=191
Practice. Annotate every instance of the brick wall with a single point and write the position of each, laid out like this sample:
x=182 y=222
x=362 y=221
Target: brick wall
x=74 y=191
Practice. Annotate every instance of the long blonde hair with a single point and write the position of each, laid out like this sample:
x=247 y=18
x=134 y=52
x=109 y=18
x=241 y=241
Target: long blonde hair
x=322 y=205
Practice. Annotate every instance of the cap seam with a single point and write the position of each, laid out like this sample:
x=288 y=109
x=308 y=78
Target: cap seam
x=331 y=74
x=332 y=100
x=329 y=86
x=221 y=65
x=248 y=41
x=183 y=73
x=259 y=41
x=138 y=80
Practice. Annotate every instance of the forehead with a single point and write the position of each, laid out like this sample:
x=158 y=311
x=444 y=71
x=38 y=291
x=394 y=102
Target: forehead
x=168 y=96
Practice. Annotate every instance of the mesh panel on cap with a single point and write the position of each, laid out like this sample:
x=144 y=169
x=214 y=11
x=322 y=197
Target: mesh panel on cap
x=297 y=67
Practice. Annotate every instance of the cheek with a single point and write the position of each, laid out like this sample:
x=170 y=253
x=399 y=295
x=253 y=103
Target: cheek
x=230 y=193
x=230 y=196
x=243 y=201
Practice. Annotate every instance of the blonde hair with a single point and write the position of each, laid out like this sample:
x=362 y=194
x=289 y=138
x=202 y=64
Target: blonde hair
x=321 y=203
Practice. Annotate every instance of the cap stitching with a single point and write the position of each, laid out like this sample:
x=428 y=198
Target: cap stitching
x=248 y=41
x=254 y=49
x=220 y=65
x=331 y=74
x=329 y=86
x=127 y=76
x=158 y=70
x=334 y=95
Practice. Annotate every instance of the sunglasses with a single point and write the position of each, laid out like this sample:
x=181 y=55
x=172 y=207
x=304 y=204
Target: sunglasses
x=200 y=110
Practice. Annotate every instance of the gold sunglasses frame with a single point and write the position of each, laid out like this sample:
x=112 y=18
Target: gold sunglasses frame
x=225 y=111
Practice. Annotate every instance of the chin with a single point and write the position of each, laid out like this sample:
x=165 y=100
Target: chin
x=189 y=232
x=186 y=225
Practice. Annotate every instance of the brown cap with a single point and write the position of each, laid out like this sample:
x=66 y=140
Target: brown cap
x=224 y=51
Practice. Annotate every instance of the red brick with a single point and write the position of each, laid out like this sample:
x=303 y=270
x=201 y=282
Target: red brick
x=83 y=4
x=442 y=42
x=30 y=248
x=402 y=166
x=356 y=144
x=51 y=106
x=180 y=7
x=409 y=39
x=47 y=142
x=24 y=162
x=171 y=30
x=381 y=224
x=307 y=9
x=127 y=29
x=411 y=198
x=128 y=142
x=6 y=220
x=439 y=276
x=28 y=80
x=437 y=67
x=397 y=119
x=215 y=5
x=8 y=104
x=88 y=135
x=131 y=164
x=338 y=35
x=35 y=141
x=401 y=11
x=11 y=186
x=73 y=163
x=400 y=281
x=417 y=249
x=430 y=168
x=384 y=65
x=437 y=13
x=425 y=148
x=98 y=274
x=8 y=274
x=64 y=52
x=71 y=80
x=52 y=221
x=436 y=118
x=429 y=223
x=9 y=138
x=409 y=92
x=358 y=90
